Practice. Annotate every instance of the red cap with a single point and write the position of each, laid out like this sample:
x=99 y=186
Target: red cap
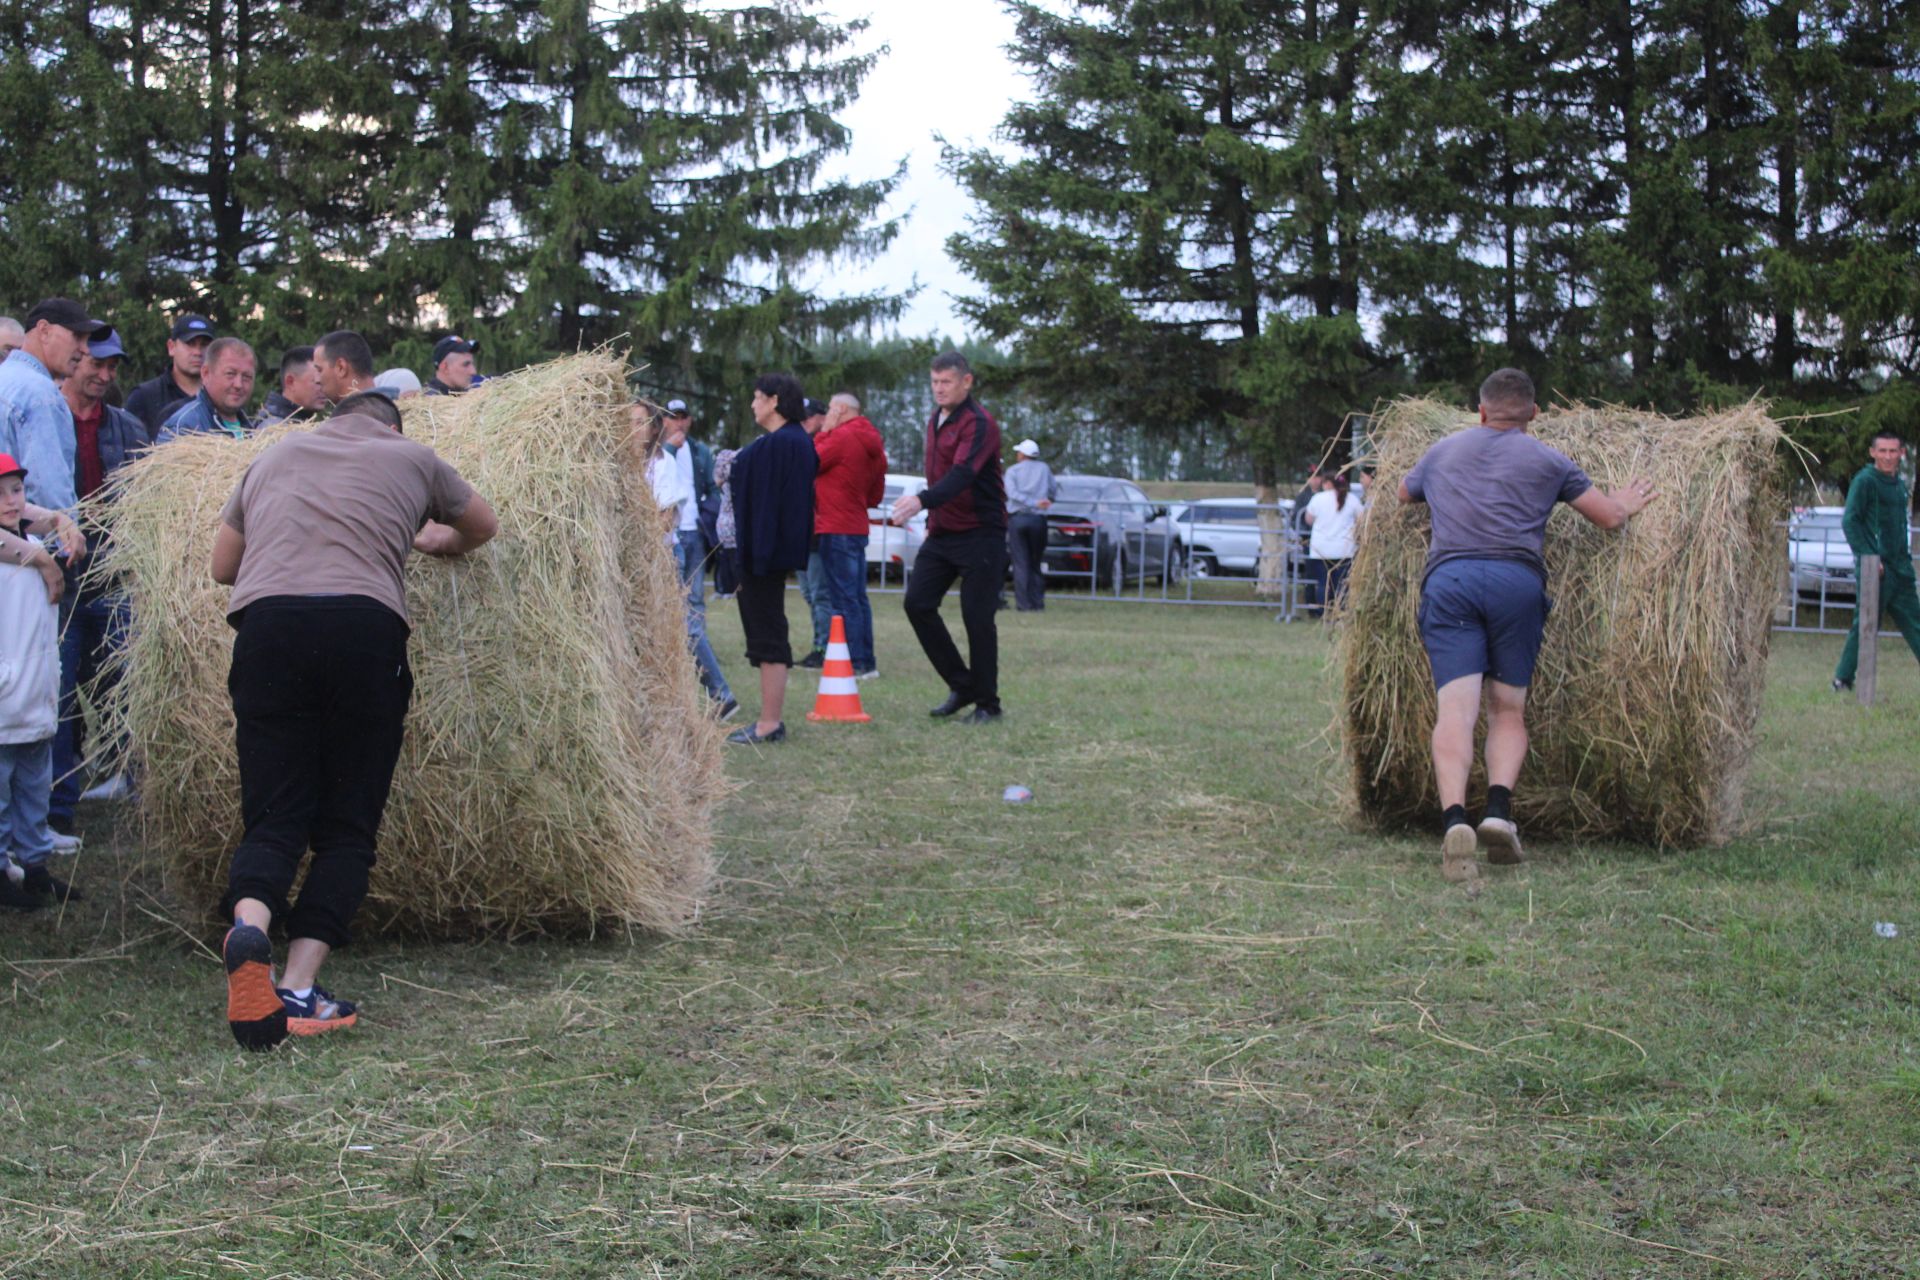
x=8 y=467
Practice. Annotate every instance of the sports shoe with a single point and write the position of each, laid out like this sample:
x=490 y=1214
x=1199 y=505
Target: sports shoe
x=813 y=661
x=60 y=824
x=255 y=1013
x=1842 y=686
x=317 y=1012
x=1457 y=850
x=1502 y=839
x=15 y=898
x=865 y=673
x=64 y=843
x=42 y=883
x=118 y=787
x=725 y=709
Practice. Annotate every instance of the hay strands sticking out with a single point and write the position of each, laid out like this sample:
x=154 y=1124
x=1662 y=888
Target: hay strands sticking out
x=560 y=768
x=1643 y=706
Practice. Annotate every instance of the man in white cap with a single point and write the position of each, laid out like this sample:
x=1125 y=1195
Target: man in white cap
x=1031 y=489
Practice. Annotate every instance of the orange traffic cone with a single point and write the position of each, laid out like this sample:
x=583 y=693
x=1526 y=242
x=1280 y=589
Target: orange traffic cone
x=839 y=696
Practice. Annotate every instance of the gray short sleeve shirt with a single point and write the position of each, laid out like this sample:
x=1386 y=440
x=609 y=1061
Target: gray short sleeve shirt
x=1490 y=492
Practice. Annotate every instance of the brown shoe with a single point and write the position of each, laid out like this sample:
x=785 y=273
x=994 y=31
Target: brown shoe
x=1502 y=839
x=1458 y=850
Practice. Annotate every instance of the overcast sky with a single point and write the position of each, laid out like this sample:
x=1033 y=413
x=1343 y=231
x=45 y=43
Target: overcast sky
x=946 y=73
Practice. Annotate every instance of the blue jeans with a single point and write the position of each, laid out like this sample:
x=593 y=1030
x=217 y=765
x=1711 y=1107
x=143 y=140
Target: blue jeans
x=26 y=784
x=813 y=589
x=92 y=626
x=690 y=548
x=843 y=559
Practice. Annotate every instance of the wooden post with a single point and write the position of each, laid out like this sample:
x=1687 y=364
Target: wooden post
x=1867 y=602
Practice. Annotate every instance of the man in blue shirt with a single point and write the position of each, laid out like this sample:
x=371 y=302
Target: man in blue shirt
x=36 y=426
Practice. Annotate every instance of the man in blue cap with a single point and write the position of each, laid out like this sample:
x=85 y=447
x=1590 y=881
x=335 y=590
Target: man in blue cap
x=93 y=617
x=155 y=400
x=454 y=369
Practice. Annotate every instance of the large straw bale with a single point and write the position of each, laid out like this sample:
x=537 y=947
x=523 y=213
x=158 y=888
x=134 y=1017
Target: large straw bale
x=559 y=771
x=1642 y=709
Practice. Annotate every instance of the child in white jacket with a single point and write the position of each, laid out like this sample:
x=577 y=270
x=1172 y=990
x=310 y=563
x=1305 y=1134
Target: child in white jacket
x=29 y=703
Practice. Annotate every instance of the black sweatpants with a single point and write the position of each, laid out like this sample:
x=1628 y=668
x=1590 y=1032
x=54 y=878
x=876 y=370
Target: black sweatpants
x=320 y=689
x=1027 y=540
x=979 y=559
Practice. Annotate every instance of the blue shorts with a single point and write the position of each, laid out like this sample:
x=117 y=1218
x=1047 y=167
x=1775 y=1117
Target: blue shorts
x=1483 y=617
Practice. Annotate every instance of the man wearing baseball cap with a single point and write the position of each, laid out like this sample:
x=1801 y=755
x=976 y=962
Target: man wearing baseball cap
x=1031 y=489
x=454 y=368
x=35 y=424
x=93 y=616
x=155 y=400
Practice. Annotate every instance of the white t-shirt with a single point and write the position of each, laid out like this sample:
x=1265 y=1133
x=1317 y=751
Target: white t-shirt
x=682 y=459
x=1333 y=525
x=671 y=488
x=29 y=657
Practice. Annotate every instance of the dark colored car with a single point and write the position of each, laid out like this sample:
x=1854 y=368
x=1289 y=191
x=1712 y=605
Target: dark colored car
x=1106 y=531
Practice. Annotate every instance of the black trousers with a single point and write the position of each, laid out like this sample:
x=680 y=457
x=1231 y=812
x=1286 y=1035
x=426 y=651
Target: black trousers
x=979 y=559
x=1027 y=540
x=320 y=690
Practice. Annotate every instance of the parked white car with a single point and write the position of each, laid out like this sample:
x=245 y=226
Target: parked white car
x=891 y=548
x=1222 y=535
x=1822 y=561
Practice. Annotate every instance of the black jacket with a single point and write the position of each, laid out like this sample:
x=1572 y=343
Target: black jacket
x=154 y=401
x=772 y=485
x=277 y=408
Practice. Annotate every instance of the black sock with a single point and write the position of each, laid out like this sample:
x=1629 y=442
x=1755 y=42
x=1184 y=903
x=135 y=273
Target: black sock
x=1500 y=803
x=1455 y=816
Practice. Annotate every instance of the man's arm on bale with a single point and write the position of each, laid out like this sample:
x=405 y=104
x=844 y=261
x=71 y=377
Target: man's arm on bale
x=473 y=527
x=229 y=544
x=1612 y=510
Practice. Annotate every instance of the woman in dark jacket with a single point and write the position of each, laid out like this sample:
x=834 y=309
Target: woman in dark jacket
x=772 y=483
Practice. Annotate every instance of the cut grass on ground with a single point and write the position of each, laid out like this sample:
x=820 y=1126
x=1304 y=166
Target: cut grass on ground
x=1174 y=1017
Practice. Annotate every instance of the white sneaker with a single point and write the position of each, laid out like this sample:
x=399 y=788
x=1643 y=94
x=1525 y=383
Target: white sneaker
x=65 y=843
x=118 y=787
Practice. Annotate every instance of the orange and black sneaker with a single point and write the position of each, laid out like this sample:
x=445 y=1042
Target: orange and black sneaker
x=317 y=1012
x=255 y=1013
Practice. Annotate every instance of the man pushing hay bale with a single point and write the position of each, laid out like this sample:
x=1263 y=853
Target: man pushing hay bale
x=558 y=770
x=1651 y=668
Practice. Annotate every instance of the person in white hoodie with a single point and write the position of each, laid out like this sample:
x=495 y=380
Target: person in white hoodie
x=29 y=699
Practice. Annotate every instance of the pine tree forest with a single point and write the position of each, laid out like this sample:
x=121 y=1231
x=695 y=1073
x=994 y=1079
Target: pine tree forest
x=1225 y=224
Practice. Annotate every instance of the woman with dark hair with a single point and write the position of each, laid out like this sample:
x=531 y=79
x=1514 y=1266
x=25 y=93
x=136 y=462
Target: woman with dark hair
x=1333 y=517
x=772 y=483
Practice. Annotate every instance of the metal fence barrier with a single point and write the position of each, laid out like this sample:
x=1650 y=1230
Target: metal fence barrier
x=1114 y=552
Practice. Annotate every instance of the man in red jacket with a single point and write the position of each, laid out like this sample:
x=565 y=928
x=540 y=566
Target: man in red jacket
x=966 y=499
x=852 y=478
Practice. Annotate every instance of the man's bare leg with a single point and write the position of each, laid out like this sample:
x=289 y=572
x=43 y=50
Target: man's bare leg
x=1506 y=752
x=1453 y=726
x=773 y=698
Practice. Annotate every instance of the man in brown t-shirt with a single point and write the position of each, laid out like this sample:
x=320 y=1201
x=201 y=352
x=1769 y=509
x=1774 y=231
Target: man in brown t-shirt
x=314 y=542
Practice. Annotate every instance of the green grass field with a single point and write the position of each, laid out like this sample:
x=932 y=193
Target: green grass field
x=1173 y=1018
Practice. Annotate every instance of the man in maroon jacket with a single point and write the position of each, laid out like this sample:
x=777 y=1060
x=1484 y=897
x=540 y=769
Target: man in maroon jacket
x=966 y=539
x=851 y=480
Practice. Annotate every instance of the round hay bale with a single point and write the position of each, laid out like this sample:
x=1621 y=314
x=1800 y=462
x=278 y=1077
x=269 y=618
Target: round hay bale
x=1643 y=706
x=559 y=771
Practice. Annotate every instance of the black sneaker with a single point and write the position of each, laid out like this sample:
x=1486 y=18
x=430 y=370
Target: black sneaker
x=726 y=710
x=15 y=898
x=983 y=715
x=61 y=824
x=813 y=661
x=43 y=883
x=752 y=737
x=1842 y=686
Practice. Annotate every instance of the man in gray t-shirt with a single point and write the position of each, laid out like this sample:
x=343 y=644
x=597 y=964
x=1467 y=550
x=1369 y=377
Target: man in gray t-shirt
x=1483 y=600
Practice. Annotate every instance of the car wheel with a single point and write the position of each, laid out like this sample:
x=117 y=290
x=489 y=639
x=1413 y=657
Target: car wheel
x=1202 y=566
x=1176 y=571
